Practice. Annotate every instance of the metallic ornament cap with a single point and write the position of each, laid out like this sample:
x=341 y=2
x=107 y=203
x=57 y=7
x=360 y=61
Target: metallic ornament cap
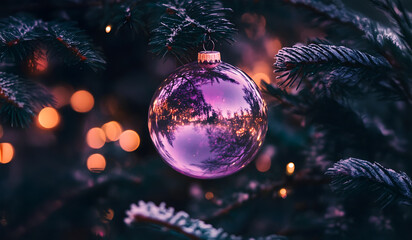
x=208 y=57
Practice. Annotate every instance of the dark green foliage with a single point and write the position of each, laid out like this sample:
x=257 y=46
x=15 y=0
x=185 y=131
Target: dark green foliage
x=20 y=36
x=74 y=46
x=329 y=66
x=21 y=99
x=185 y=25
x=352 y=177
x=126 y=14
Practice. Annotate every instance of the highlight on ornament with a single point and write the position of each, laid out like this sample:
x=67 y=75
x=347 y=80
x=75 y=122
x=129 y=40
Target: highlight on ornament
x=6 y=152
x=112 y=130
x=48 y=118
x=82 y=101
x=95 y=138
x=129 y=140
x=208 y=119
x=96 y=163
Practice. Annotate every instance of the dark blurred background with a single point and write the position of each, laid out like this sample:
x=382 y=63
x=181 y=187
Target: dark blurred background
x=47 y=190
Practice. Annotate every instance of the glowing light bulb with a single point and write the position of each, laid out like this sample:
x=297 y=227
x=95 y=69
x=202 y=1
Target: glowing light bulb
x=82 y=101
x=129 y=140
x=283 y=193
x=48 y=118
x=209 y=195
x=108 y=28
x=290 y=168
x=112 y=130
x=6 y=152
x=95 y=138
x=96 y=163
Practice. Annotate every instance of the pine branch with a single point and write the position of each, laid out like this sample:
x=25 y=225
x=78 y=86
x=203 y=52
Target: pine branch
x=20 y=36
x=359 y=177
x=334 y=70
x=179 y=222
x=125 y=14
x=373 y=31
x=397 y=11
x=185 y=25
x=21 y=99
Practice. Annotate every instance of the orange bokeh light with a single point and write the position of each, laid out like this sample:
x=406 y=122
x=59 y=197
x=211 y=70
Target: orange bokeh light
x=82 y=101
x=48 y=118
x=129 y=140
x=263 y=163
x=209 y=195
x=283 y=193
x=290 y=168
x=95 y=138
x=6 y=153
x=108 y=28
x=96 y=163
x=112 y=130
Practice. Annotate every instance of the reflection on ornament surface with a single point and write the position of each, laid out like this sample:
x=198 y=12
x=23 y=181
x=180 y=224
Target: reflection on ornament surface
x=208 y=122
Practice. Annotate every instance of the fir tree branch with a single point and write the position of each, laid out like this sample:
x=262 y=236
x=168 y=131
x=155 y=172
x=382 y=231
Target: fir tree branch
x=20 y=36
x=180 y=222
x=359 y=177
x=185 y=25
x=373 y=31
x=299 y=179
x=21 y=99
x=124 y=14
x=397 y=11
x=68 y=37
x=335 y=70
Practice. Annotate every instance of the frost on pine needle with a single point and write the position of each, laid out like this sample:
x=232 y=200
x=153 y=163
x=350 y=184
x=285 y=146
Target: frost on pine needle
x=180 y=222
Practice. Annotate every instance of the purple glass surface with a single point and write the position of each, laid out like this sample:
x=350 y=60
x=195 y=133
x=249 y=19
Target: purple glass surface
x=207 y=122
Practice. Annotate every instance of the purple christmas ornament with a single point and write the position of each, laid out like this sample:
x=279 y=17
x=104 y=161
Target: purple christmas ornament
x=208 y=118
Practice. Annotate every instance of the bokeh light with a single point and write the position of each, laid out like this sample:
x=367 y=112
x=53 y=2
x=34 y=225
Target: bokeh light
x=263 y=163
x=6 y=153
x=290 y=168
x=259 y=77
x=82 y=101
x=62 y=95
x=209 y=195
x=129 y=140
x=283 y=193
x=112 y=130
x=48 y=118
x=95 y=138
x=96 y=163
x=108 y=28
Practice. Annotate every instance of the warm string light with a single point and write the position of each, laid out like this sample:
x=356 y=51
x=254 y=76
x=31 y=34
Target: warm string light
x=96 y=138
x=108 y=28
x=129 y=140
x=209 y=195
x=48 y=118
x=82 y=101
x=283 y=193
x=6 y=152
x=96 y=163
x=290 y=168
x=112 y=130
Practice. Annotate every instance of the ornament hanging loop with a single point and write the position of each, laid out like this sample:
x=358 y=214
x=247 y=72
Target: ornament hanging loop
x=208 y=40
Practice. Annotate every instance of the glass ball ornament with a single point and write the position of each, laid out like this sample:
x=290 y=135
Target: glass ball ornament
x=208 y=118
